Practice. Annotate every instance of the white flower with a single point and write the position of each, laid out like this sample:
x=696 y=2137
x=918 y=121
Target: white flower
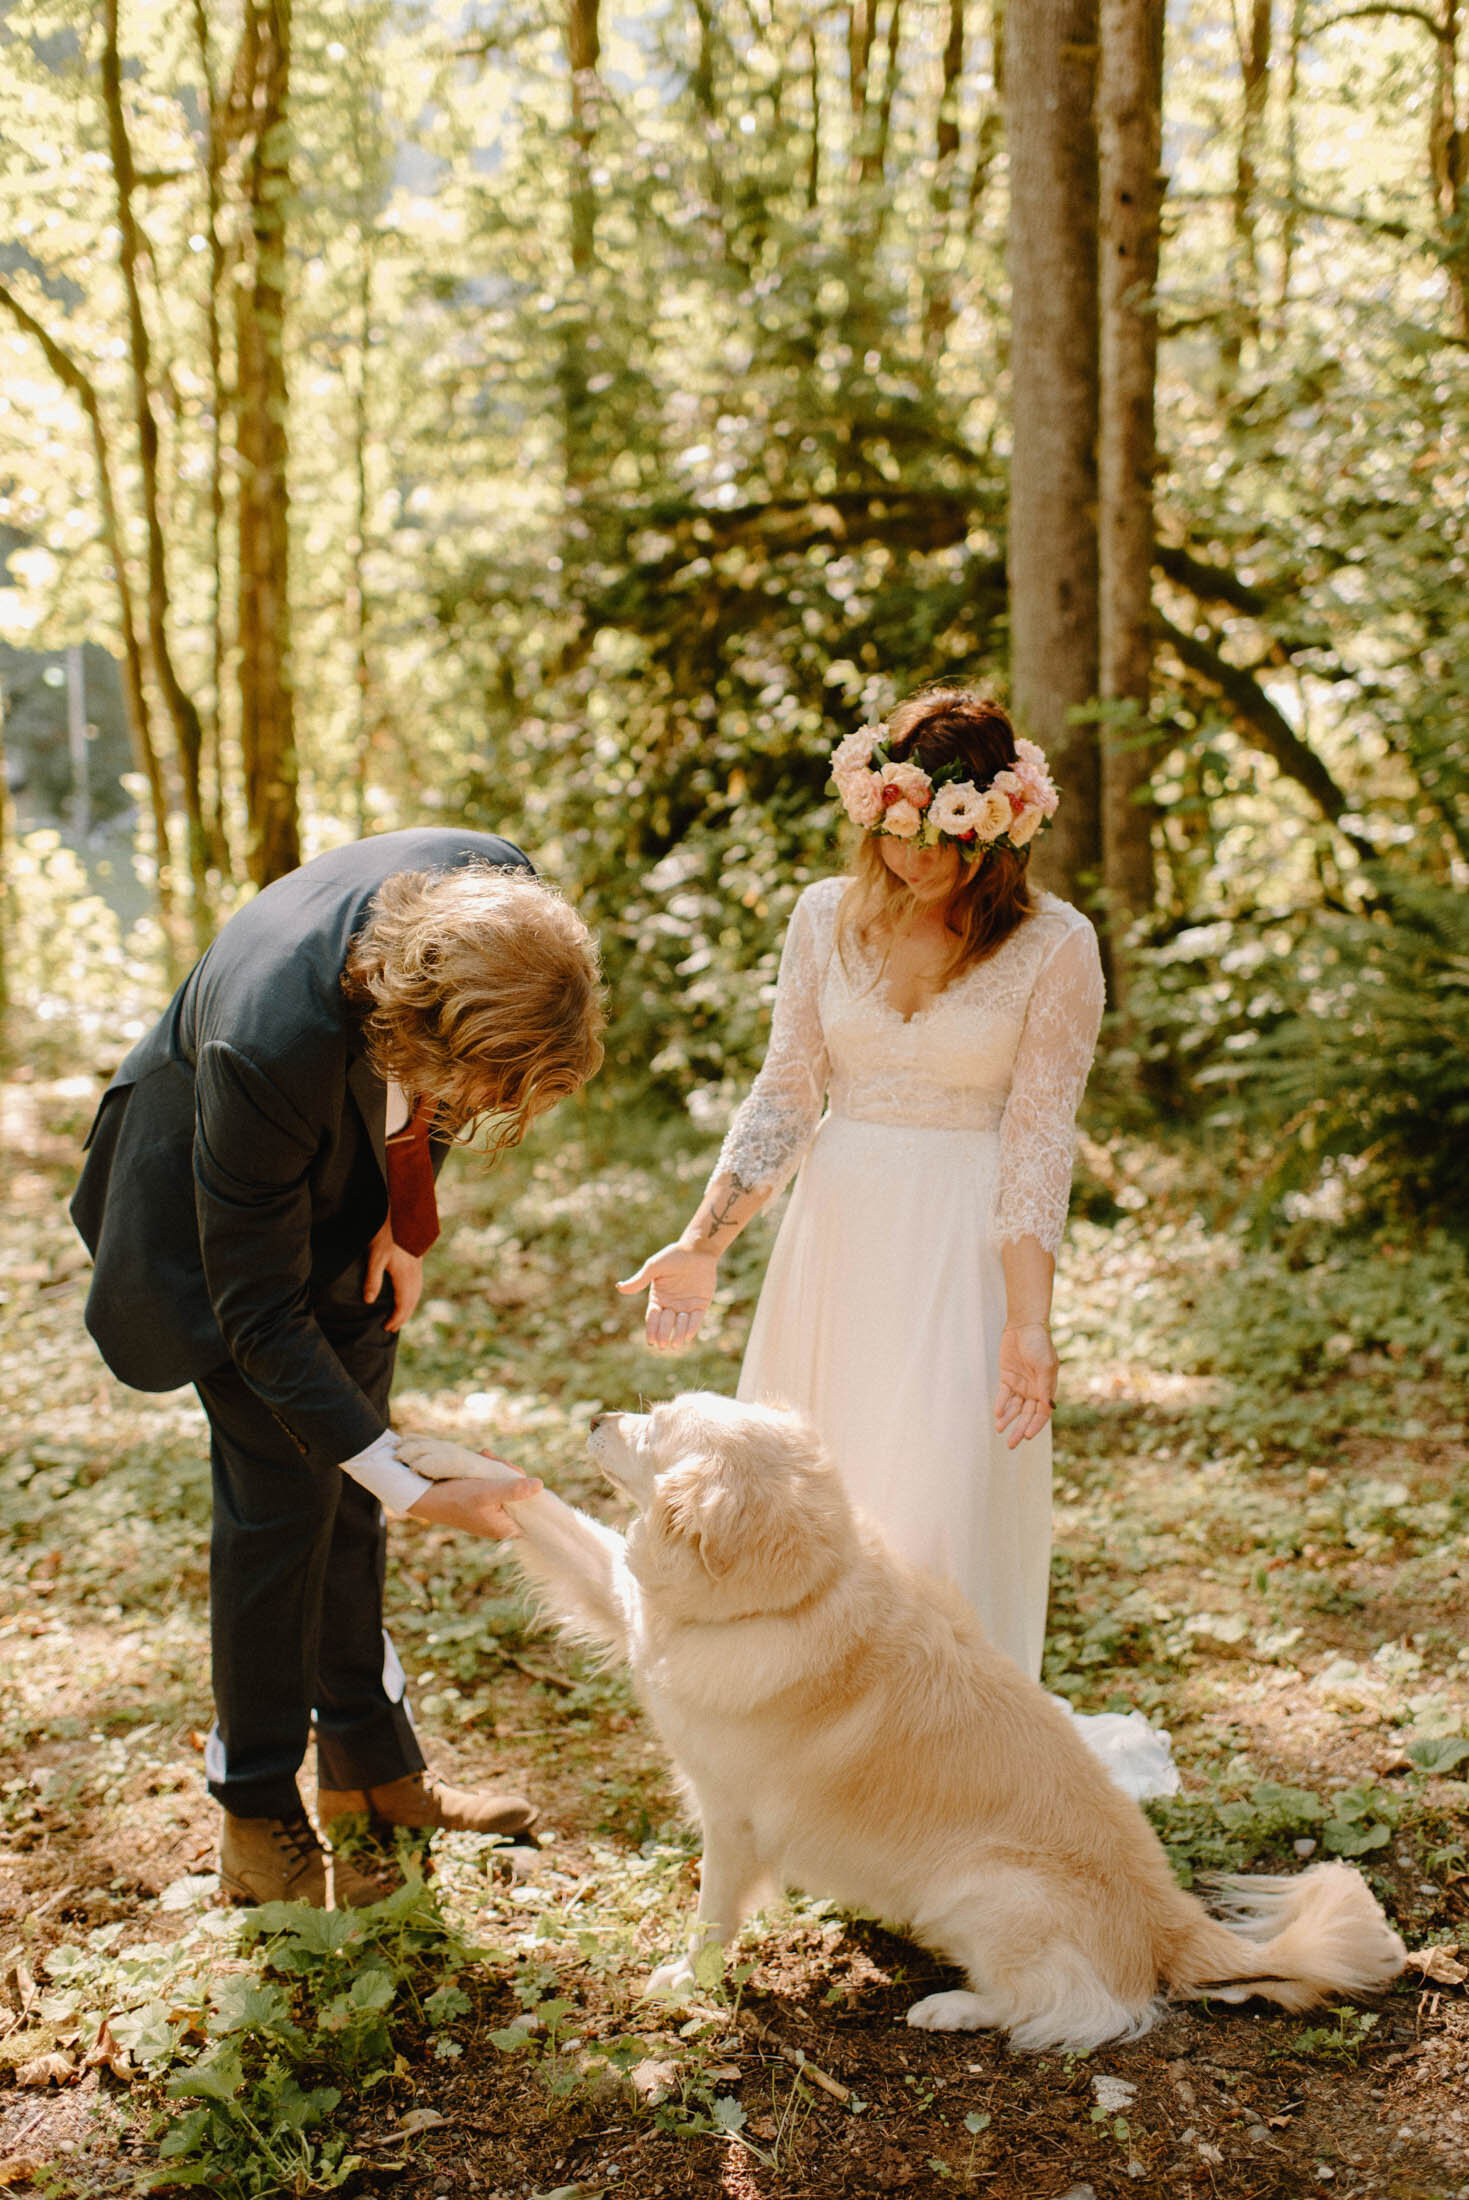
x=956 y=808
x=993 y=815
x=1024 y=828
x=902 y=820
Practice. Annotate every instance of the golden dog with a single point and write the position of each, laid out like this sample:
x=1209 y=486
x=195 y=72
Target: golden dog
x=840 y=1724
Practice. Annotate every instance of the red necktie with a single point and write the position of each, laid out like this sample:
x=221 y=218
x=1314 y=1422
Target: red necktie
x=412 y=1208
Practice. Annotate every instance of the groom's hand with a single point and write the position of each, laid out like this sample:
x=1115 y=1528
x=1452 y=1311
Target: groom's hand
x=481 y=1507
x=470 y=1489
x=388 y=1262
x=680 y=1285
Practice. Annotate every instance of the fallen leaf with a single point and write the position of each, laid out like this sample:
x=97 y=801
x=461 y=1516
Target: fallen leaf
x=105 y=2052
x=1440 y=1963
x=52 y=2069
x=20 y=2169
x=20 y=1985
x=653 y=2081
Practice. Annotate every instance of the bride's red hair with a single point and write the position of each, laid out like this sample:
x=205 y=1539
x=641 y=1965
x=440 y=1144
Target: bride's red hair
x=991 y=897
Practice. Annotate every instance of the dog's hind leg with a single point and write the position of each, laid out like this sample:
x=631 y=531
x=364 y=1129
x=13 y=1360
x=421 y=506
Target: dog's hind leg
x=1027 y=1974
x=729 y=1879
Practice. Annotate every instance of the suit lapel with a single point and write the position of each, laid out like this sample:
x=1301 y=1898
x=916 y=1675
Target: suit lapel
x=371 y=1096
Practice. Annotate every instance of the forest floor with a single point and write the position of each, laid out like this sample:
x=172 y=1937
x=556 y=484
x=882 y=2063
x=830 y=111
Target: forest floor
x=1262 y=1541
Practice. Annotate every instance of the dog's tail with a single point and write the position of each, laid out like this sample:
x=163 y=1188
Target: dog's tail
x=1291 y=1941
x=576 y=1566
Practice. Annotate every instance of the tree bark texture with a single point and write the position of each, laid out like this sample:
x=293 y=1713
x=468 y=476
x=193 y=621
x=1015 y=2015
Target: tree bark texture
x=1129 y=122
x=213 y=159
x=267 y=698
x=583 y=51
x=938 y=310
x=1050 y=70
x=182 y=711
x=1255 y=71
x=1449 y=160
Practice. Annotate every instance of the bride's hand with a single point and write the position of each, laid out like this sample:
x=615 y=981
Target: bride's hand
x=680 y=1285
x=1028 y=1371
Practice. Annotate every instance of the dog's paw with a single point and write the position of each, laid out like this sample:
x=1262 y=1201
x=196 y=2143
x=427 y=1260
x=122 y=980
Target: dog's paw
x=957 y=2012
x=672 y=1981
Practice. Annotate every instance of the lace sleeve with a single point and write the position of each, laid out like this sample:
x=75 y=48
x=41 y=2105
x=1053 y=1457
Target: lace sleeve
x=1038 y=1129
x=773 y=1125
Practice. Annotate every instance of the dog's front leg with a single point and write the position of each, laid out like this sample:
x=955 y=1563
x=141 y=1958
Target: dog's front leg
x=729 y=1875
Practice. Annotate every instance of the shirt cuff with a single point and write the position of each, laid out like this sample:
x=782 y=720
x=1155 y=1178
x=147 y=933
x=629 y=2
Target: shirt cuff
x=380 y=1470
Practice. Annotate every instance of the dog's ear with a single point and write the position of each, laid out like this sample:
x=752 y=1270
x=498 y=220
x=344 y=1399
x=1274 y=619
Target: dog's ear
x=697 y=1509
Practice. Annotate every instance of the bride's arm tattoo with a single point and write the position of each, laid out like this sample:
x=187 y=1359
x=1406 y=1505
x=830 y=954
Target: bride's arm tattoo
x=722 y=1214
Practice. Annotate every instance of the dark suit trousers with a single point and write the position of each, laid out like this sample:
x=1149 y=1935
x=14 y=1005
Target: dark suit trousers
x=296 y=1588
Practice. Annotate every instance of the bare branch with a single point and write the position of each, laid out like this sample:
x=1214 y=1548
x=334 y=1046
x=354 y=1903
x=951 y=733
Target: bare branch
x=1266 y=724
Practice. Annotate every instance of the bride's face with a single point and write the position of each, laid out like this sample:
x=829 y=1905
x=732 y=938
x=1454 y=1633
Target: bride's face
x=930 y=874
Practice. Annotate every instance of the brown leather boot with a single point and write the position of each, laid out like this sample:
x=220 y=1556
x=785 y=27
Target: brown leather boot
x=271 y=1860
x=420 y=1800
x=362 y=1877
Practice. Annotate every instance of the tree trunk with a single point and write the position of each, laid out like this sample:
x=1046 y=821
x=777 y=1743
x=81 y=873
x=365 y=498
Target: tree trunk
x=135 y=689
x=1449 y=160
x=1050 y=69
x=1129 y=120
x=938 y=304
x=583 y=51
x=213 y=157
x=267 y=700
x=1290 y=217
x=1255 y=70
x=182 y=711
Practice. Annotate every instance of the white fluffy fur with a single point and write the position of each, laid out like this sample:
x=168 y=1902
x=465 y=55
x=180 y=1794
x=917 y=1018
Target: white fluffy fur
x=840 y=1724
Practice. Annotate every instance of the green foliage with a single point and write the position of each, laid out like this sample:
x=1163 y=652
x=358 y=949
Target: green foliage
x=252 y=2063
x=1340 y=2042
x=1333 y=1038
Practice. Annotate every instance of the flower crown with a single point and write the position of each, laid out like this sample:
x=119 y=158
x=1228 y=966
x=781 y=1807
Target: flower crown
x=904 y=801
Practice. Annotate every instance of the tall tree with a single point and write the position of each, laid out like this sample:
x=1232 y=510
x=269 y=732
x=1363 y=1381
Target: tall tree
x=583 y=51
x=1129 y=126
x=182 y=710
x=1255 y=35
x=1050 y=73
x=212 y=157
x=259 y=101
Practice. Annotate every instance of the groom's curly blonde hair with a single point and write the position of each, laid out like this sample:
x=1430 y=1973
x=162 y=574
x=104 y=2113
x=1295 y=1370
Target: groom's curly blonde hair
x=480 y=987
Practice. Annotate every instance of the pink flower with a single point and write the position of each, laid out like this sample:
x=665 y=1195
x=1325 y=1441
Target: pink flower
x=902 y=819
x=1034 y=775
x=906 y=783
x=1008 y=784
x=1023 y=831
x=861 y=796
x=855 y=751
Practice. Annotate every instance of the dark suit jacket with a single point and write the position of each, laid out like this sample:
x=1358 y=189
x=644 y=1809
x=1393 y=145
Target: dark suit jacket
x=235 y=1167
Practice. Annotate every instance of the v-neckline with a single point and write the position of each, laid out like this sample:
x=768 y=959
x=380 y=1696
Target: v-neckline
x=878 y=992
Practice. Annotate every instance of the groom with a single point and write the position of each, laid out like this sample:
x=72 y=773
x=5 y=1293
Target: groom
x=258 y=1195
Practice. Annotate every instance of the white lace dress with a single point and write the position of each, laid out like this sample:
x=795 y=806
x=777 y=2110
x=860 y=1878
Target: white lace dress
x=945 y=1135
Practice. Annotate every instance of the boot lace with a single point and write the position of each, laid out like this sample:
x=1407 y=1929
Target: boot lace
x=297 y=1836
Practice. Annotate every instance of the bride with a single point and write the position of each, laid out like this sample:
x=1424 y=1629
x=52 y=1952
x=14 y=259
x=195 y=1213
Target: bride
x=945 y=1015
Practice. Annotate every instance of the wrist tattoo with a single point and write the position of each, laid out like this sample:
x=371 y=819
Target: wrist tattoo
x=722 y=1217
